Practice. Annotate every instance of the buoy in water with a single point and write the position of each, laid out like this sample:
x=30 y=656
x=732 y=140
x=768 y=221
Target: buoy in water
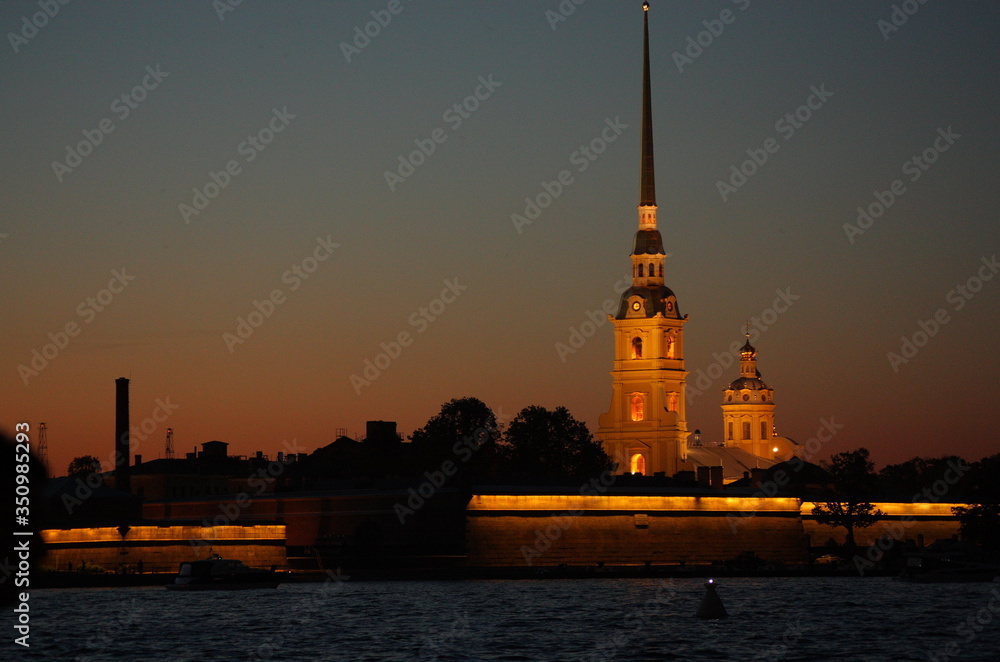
x=711 y=605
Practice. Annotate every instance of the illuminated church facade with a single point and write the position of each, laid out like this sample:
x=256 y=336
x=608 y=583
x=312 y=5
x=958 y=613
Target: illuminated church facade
x=645 y=430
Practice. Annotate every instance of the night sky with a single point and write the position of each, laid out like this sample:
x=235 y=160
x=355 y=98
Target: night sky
x=287 y=122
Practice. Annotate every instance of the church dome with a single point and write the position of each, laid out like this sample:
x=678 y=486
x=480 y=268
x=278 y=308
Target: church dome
x=752 y=383
x=754 y=388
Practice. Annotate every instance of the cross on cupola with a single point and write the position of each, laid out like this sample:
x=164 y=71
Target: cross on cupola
x=748 y=359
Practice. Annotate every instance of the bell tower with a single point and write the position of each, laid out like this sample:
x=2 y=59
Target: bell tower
x=645 y=430
x=748 y=409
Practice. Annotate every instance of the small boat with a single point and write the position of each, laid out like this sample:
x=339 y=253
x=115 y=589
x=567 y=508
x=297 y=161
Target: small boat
x=217 y=573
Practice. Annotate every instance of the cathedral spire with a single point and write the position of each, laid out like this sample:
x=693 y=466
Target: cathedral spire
x=645 y=429
x=647 y=253
x=647 y=183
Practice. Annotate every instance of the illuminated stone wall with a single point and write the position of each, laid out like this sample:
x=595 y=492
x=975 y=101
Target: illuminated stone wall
x=308 y=518
x=904 y=521
x=500 y=530
x=510 y=530
x=303 y=515
x=162 y=548
x=334 y=526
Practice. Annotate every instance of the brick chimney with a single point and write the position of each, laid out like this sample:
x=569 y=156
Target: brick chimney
x=715 y=477
x=704 y=476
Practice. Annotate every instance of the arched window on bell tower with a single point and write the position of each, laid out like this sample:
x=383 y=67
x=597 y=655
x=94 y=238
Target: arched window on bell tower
x=636 y=348
x=730 y=431
x=763 y=429
x=746 y=429
x=638 y=407
x=640 y=271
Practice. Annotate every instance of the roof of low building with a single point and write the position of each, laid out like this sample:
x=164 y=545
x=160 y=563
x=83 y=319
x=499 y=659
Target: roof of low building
x=203 y=466
x=734 y=461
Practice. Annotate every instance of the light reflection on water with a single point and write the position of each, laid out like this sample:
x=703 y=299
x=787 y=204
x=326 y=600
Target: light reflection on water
x=790 y=619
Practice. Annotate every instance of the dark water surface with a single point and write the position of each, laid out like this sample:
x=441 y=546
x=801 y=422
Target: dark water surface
x=597 y=619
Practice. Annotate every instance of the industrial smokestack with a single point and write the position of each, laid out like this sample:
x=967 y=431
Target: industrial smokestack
x=121 y=435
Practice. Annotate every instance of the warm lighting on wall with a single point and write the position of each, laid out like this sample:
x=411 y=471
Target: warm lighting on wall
x=571 y=502
x=902 y=509
x=139 y=534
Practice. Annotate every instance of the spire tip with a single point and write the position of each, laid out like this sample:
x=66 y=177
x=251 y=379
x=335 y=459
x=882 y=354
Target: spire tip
x=647 y=185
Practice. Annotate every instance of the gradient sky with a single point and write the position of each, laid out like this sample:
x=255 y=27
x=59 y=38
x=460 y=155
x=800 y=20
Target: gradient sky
x=323 y=176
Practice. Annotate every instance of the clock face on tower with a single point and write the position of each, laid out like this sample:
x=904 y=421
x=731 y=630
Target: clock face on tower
x=636 y=305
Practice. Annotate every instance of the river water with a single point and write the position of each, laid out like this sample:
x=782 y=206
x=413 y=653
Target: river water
x=594 y=619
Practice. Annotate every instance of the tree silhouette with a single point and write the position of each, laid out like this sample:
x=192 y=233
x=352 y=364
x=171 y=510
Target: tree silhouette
x=907 y=478
x=980 y=520
x=83 y=466
x=540 y=442
x=465 y=432
x=854 y=482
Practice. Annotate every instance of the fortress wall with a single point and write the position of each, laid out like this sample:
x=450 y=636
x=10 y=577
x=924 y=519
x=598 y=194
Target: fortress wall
x=509 y=530
x=505 y=530
x=162 y=548
x=400 y=520
x=903 y=521
x=301 y=516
